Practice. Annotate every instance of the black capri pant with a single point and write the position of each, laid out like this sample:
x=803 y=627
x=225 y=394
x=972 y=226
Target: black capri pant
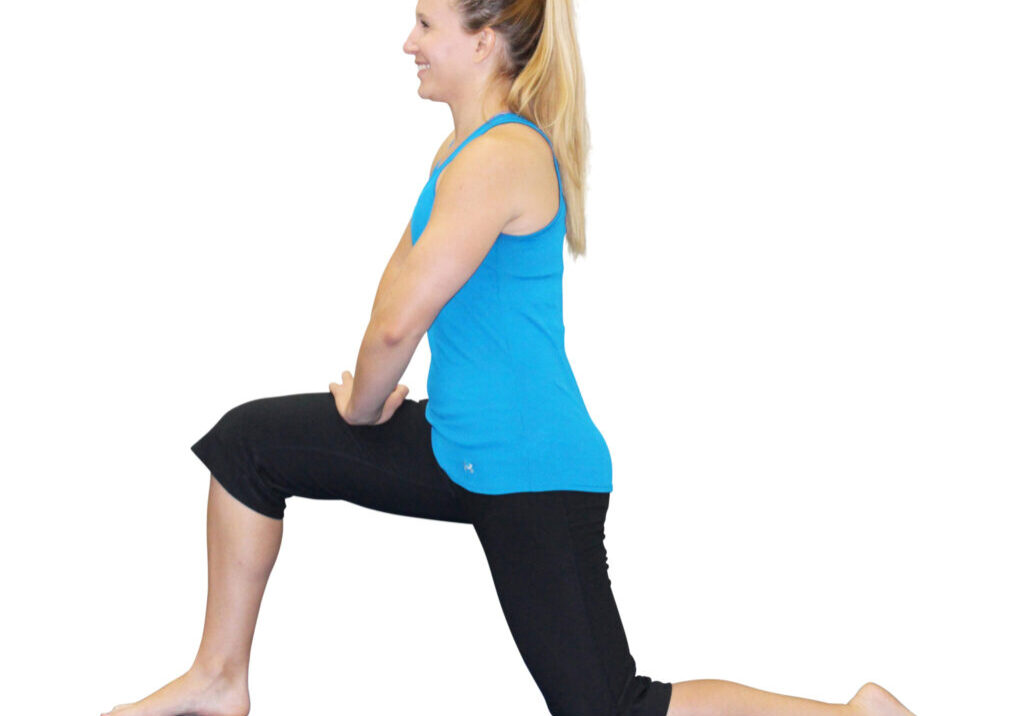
x=545 y=550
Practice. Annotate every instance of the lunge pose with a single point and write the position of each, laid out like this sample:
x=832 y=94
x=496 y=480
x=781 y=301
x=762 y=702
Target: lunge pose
x=504 y=441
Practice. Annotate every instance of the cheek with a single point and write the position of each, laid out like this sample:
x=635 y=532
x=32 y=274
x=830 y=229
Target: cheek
x=439 y=53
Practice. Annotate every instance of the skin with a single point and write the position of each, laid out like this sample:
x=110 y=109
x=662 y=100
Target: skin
x=503 y=181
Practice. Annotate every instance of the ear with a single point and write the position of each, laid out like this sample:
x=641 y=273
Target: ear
x=487 y=43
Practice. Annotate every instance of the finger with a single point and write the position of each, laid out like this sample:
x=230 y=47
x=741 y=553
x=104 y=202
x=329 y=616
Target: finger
x=396 y=398
x=392 y=404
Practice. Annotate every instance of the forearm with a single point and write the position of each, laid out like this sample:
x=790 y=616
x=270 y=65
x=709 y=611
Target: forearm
x=385 y=279
x=379 y=366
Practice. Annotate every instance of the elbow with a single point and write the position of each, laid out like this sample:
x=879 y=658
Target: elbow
x=392 y=337
x=385 y=325
x=395 y=334
x=393 y=327
x=389 y=332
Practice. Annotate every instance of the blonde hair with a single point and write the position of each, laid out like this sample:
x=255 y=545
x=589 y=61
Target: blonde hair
x=542 y=59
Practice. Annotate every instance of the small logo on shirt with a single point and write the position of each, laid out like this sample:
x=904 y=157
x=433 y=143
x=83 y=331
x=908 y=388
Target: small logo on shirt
x=468 y=466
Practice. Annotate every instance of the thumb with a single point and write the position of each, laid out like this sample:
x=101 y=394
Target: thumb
x=394 y=402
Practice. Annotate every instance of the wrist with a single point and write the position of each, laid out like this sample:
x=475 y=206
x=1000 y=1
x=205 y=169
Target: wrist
x=353 y=417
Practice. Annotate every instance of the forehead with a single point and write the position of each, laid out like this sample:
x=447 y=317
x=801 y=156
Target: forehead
x=430 y=8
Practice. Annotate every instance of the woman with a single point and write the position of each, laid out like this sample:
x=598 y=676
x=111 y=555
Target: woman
x=504 y=442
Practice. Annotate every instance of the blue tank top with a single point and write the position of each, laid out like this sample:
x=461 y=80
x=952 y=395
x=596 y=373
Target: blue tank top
x=505 y=411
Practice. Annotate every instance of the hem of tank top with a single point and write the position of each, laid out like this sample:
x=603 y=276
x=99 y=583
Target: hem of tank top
x=574 y=487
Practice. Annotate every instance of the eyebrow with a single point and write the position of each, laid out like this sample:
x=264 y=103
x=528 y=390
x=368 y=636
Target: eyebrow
x=421 y=16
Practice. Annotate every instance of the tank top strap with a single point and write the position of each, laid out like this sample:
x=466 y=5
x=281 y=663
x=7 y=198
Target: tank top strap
x=512 y=117
x=494 y=121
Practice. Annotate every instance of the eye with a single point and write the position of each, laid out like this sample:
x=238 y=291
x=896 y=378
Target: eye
x=422 y=22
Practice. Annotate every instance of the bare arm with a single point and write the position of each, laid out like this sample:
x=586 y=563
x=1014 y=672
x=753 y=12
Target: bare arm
x=469 y=211
x=404 y=245
x=471 y=206
x=393 y=267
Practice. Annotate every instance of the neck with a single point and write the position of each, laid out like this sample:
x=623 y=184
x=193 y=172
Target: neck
x=469 y=115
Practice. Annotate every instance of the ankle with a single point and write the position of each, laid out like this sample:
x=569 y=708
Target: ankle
x=220 y=668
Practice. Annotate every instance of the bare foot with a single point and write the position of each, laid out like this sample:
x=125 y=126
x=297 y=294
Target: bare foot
x=873 y=700
x=196 y=692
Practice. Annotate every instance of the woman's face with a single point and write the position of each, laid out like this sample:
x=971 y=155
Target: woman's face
x=437 y=39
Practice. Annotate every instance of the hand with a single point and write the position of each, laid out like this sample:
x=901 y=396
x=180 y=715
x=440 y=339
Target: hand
x=343 y=394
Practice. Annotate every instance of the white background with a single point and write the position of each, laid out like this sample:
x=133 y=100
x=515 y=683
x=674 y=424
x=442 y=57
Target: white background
x=798 y=326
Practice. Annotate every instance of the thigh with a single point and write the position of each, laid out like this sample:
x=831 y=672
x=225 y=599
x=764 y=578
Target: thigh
x=269 y=449
x=546 y=554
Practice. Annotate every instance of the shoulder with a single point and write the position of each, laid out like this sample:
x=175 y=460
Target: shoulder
x=522 y=134
x=521 y=144
x=484 y=179
x=520 y=153
x=509 y=155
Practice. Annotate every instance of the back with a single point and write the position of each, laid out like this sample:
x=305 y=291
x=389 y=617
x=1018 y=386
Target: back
x=505 y=411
